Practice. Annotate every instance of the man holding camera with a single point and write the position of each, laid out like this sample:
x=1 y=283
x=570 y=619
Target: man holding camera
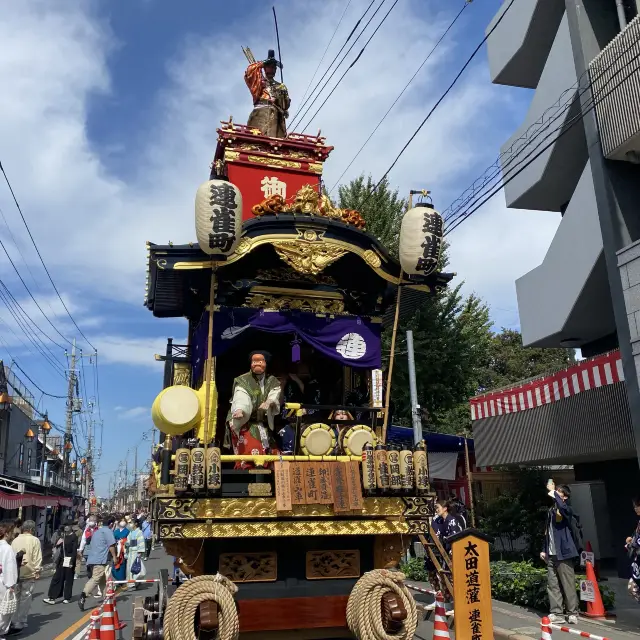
x=561 y=550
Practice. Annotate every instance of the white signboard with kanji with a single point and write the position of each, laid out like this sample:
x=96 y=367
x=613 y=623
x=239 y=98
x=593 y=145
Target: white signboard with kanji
x=586 y=556
x=587 y=591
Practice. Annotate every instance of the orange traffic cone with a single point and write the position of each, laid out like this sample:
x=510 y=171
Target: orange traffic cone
x=595 y=609
x=589 y=549
x=440 y=624
x=546 y=629
x=116 y=619
x=95 y=625
x=107 y=628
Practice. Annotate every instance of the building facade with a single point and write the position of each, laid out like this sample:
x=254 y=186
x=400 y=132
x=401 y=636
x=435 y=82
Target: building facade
x=32 y=483
x=581 y=57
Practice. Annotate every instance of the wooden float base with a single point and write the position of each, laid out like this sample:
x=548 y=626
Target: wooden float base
x=280 y=614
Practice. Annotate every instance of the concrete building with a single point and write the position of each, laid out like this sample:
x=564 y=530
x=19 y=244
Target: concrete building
x=576 y=54
x=32 y=485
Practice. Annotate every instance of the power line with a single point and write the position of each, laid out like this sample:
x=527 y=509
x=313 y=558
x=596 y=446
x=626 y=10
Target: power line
x=26 y=375
x=295 y=118
x=299 y=117
x=446 y=93
x=46 y=317
x=41 y=259
x=413 y=77
x=7 y=298
x=563 y=128
x=313 y=77
x=452 y=213
x=352 y=64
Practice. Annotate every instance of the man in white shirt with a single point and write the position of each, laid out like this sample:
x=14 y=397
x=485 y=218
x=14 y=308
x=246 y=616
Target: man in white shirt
x=29 y=571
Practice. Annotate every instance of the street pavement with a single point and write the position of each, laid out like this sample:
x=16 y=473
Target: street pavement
x=66 y=621
x=62 y=621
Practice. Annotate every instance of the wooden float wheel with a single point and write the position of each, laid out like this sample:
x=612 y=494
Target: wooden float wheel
x=394 y=613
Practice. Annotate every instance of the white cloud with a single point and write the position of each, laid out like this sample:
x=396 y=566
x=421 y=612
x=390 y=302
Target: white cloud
x=91 y=225
x=134 y=413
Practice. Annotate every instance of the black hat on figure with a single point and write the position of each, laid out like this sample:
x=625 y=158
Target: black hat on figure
x=271 y=59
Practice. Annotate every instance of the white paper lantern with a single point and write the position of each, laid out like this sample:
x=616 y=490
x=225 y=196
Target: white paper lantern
x=420 y=239
x=218 y=217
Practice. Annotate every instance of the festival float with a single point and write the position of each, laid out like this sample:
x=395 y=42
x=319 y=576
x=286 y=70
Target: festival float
x=273 y=485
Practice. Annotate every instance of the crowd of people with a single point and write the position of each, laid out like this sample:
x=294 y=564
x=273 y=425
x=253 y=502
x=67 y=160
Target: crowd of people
x=105 y=545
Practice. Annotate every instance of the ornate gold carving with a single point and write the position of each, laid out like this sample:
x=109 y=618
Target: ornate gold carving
x=277 y=303
x=419 y=507
x=417 y=526
x=316 y=167
x=283 y=529
x=249 y=508
x=249 y=567
x=372 y=258
x=259 y=489
x=275 y=163
x=182 y=374
x=245 y=146
x=244 y=246
x=176 y=509
x=287 y=275
x=230 y=156
x=324 y=565
x=307 y=257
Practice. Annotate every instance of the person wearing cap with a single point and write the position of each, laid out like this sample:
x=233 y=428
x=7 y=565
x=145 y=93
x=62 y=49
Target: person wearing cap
x=255 y=402
x=270 y=97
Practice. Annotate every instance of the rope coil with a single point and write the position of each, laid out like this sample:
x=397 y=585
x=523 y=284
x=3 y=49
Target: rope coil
x=183 y=605
x=364 y=609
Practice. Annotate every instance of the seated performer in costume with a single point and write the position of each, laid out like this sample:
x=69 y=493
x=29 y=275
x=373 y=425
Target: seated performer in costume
x=255 y=400
x=270 y=97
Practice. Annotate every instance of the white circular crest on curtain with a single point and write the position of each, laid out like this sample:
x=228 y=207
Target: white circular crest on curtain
x=352 y=346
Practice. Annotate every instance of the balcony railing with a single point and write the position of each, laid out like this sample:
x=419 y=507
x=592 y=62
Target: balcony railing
x=55 y=480
x=615 y=83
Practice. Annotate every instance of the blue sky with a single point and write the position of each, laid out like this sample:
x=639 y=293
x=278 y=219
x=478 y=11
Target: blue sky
x=110 y=127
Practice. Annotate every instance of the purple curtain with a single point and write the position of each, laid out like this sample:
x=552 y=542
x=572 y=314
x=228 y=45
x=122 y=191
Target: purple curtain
x=351 y=340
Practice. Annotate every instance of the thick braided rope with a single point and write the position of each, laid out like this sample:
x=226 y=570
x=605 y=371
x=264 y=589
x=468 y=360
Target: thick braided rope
x=364 y=609
x=183 y=604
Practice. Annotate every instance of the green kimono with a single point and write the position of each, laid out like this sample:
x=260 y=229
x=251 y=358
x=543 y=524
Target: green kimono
x=249 y=435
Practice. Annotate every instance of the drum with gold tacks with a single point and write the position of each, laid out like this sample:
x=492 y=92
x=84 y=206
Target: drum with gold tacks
x=318 y=440
x=353 y=439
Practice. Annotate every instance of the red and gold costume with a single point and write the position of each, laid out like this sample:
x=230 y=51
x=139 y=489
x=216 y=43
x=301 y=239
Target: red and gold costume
x=270 y=101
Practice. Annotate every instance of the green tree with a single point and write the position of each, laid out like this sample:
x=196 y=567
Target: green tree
x=452 y=333
x=510 y=362
x=382 y=209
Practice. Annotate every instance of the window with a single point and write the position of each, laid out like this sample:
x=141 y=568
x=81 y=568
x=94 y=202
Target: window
x=21 y=459
x=29 y=454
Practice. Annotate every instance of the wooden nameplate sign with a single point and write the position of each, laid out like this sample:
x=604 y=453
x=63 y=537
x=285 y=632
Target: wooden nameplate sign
x=283 y=485
x=298 y=493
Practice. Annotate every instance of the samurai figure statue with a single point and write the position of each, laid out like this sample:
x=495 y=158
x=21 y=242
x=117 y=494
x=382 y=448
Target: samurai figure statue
x=270 y=97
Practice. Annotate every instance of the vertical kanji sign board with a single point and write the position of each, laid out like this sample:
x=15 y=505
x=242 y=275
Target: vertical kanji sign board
x=472 y=585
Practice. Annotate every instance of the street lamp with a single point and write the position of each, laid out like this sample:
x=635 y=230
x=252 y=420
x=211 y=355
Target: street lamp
x=29 y=436
x=5 y=400
x=45 y=427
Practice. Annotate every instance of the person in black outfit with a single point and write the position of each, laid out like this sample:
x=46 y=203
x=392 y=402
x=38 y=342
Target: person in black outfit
x=62 y=581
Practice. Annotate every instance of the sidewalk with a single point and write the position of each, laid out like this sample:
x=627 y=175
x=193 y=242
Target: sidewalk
x=519 y=623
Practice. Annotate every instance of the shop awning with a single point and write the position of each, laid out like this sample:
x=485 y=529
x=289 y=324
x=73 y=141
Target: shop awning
x=600 y=371
x=17 y=500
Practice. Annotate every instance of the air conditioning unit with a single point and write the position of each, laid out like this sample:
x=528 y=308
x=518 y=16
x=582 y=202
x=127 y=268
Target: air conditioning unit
x=615 y=85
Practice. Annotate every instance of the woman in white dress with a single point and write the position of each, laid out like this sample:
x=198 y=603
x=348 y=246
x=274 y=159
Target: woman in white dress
x=135 y=547
x=8 y=572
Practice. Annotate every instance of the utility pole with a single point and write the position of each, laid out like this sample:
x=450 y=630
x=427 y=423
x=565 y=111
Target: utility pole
x=89 y=475
x=126 y=480
x=413 y=393
x=71 y=390
x=135 y=480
